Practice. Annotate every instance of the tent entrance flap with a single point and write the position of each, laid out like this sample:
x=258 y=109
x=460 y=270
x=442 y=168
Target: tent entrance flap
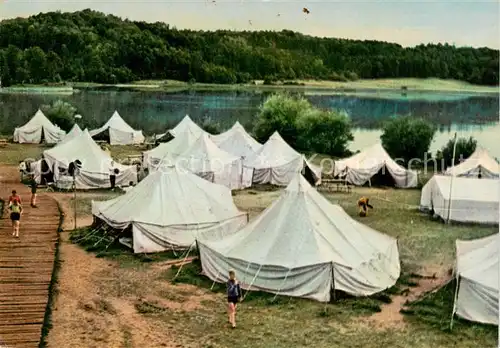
x=383 y=178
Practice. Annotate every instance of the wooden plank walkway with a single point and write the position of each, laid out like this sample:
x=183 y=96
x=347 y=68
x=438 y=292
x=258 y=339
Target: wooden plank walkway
x=26 y=265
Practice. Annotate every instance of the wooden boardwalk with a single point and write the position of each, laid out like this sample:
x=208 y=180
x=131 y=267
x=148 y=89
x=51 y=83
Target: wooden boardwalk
x=26 y=265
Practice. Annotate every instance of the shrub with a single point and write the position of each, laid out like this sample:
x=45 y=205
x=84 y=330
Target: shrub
x=465 y=148
x=60 y=113
x=407 y=137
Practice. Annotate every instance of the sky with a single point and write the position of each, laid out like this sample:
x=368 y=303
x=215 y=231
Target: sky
x=463 y=23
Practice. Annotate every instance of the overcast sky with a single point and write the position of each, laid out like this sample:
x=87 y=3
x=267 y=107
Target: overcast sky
x=463 y=23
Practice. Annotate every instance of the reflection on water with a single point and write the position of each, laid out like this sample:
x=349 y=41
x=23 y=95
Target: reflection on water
x=468 y=114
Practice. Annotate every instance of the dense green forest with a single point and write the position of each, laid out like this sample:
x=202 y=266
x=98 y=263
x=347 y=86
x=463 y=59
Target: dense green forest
x=93 y=47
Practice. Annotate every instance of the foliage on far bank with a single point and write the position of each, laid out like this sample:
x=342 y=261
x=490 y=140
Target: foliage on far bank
x=90 y=46
x=303 y=126
x=407 y=137
x=61 y=113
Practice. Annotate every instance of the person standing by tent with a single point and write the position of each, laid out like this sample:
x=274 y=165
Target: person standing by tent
x=33 y=186
x=233 y=297
x=363 y=203
x=112 y=175
x=15 y=216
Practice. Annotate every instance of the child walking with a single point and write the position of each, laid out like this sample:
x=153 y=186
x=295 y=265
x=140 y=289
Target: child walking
x=233 y=297
x=15 y=215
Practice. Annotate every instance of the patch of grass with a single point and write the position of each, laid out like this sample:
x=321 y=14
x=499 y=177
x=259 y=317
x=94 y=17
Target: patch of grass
x=434 y=311
x=11 y=154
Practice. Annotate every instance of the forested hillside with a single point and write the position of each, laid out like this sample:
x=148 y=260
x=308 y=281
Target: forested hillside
x=94 y=47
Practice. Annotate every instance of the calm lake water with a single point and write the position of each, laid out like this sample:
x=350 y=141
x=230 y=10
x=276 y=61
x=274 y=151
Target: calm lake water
x=467 y=114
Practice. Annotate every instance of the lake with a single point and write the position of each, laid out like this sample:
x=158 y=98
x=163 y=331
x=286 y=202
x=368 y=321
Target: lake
x=467 y=114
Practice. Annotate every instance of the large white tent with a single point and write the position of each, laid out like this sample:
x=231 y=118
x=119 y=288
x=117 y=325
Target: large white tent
x=471 y=200
x=479 y=162
x=276 y=163
x=361 y=167
x=237 y=142
x=95 y=167
x=186 y=125
x=37 y=129
x=120 y=133
x=207 y=160
x=304 y=246
x=170 y=208
x=75 y=131
x=173 y=148
x=477 y=273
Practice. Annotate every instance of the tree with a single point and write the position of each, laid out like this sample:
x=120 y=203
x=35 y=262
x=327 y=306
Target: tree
x=407 y=138
x=325 y=132
x=60 y=113
x=280 y=113
x=465 y=148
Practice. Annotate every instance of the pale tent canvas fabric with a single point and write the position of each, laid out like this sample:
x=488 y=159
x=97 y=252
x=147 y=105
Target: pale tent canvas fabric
x=37 y=128
x=184 y=126
x=73 y=133
x=276 y=163
x=207 y=160
x=304 y=246
x=170 y=208
x=120 y=133
x=96 y=164
x=479 y=162
x=477 y=272
x=472 y=200
x=237 y=142
x=361 y=167
x=173 y=148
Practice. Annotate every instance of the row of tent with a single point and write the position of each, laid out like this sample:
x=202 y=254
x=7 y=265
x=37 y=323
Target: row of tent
x=39 y=129
x=301 y=245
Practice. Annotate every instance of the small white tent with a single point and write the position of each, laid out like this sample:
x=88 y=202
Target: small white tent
x=276 y=163
x=95 y=168
x=361 y=167
x=37 y=129
x=205 y=159
x=184 y=126
x=73 y=133
x=170 y=208
x=173 y=148
x=237 y=142
x=120 y=133
x=479 y=162
x=477 y=273
x=304 y=246
x=472 y=200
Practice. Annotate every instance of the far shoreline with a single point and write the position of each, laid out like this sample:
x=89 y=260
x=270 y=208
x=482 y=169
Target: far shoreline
x=402 y=86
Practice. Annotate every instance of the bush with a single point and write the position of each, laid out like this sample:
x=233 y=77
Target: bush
x=303 y=126
x=407 y=137
x=465 y=148
x=60 y=113
x=325 y=132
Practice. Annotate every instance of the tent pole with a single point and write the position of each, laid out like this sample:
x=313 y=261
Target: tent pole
x=253 y=280
x=452 y=176
x=74 y=199
x=184 y=261
x=333 y=283
x=454 y=302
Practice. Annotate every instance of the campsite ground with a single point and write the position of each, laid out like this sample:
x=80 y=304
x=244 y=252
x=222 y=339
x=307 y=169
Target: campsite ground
x=116 y=299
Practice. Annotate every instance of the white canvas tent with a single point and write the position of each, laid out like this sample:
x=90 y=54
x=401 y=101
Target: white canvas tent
x=361 y=167
x=73 y=133
x=472 y=200
x=477 y=274
x=304 y=246
x=170 y=208
x=184 y=126
x=237 y=142
x=276 y=163
x=205 y=159
x=173 y=148
x=95 y=164
x=479 y=162
x=37 y=129
x=120 y=133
